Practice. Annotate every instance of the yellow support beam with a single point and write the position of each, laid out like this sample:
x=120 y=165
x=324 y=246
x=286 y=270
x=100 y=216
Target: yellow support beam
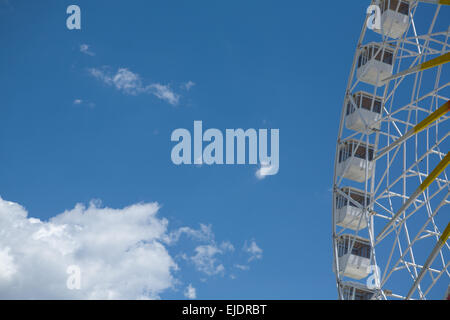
x=432 y=117
x=435 y=62
x=423 y=66
x=443 y=2
x=445 y=234
x=425 y=184
x=417 y=128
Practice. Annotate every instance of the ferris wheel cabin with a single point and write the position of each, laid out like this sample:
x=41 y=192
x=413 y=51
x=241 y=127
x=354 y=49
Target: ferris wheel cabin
x=350 y=208
x=352 y=162
x=394 y=18
x=356 y=291
x=363 y=111
x=355 y=263
x=375 y=63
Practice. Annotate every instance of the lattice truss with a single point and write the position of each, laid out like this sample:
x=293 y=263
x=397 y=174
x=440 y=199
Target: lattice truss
x=391 y=187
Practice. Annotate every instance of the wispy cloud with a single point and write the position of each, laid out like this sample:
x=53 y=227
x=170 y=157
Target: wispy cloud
x=203 y=234
x=242 y=267
x=84 y=48
x=188 y=85
x=131 y=83
x=205 y=259
x=163 y=92
x=253 y=250
x=82 y=102
x=190 y=292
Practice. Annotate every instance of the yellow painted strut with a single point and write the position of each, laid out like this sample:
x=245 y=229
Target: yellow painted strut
x=443 y=2
x=431 y=258
x=417 y=128
x=423 y=66
x=425 y=184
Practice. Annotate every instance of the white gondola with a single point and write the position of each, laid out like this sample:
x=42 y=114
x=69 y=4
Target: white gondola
x=356 y=291
x=363 y=112
x=394 y=18
x=352 y=162
x=375 y=63
x=355 y=263
x=349 y=213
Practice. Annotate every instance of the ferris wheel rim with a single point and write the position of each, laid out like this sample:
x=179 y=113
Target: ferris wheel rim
x=336 y=183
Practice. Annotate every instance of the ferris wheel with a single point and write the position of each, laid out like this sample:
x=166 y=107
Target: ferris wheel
x=391 y=208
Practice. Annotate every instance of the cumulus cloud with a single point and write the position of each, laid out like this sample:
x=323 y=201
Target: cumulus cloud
x=120 y=253
x=253 y=250
x=190 y=292
x=84 y=48
x=131 y=83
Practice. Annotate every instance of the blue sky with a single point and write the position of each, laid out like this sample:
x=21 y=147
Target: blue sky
x=255 y=64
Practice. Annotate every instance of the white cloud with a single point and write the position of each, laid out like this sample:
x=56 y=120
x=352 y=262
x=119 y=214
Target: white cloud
x=242 y=267
x=205 y=259
x=130 y=83
x=188 y=85
x=253 y=250
x=227 y=246
x=203 y=234
x=163 y=92
x=123 y=80
x=127 y=81
x=120 y=253
x=190 y=292
x=264 y=171
x=82 y=102
x=84 y=48
x=7 y=266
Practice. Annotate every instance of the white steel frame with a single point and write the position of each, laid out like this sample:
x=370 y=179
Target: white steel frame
x=403 y=169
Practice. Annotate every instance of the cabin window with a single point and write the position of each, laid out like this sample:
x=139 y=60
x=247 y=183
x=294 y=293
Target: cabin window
x=361 y=153
x=350 y=108
x=359 y=198
x=360 y=59
x=359 y=249
x=347 y=150
x=362 y=295
x=383 y=55
x=342 y=201
x=366 y=103
x=351 y=293
x=388 y=57
x=380 y=54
